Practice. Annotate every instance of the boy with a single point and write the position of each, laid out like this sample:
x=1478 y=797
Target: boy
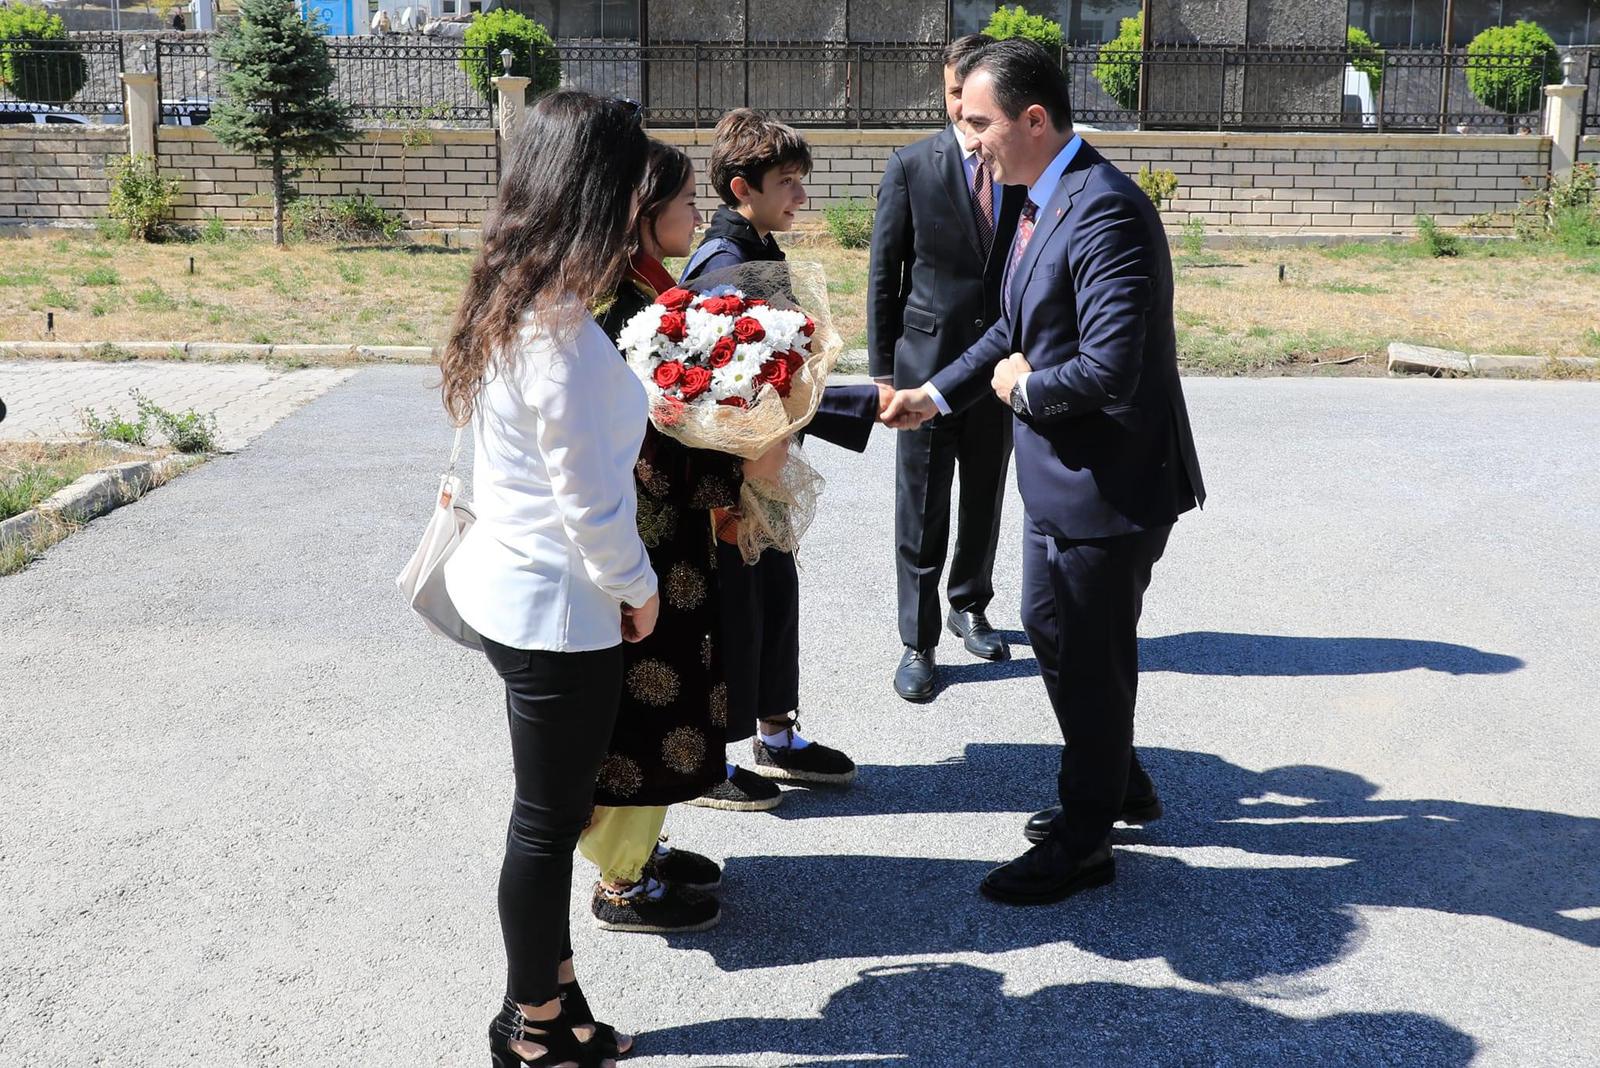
x=758 y=168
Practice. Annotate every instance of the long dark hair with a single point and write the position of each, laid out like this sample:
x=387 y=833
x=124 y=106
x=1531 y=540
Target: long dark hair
x=558 y=237
x=666 y=169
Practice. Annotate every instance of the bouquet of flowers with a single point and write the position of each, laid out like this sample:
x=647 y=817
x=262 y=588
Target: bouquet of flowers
x=737 y=362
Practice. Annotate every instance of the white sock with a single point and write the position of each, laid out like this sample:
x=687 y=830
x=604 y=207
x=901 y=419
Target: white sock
x=785 y=739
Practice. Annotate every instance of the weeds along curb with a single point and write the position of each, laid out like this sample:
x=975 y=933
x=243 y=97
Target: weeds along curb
x=1447 y=363
x=211 y=351
x=92 y=496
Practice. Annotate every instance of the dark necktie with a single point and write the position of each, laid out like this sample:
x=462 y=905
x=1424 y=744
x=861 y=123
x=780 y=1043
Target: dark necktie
x=983 y=206
x=1024 y=235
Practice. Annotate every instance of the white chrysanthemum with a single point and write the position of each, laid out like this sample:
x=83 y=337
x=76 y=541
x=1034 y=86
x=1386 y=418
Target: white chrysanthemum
x=751 y=356
x=637 y=336
x=703 y=329
x=735 y=379
x=782 y=327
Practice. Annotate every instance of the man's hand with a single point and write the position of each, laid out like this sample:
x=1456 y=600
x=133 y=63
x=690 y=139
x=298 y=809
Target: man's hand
x=885 y=394
x=637 y=623
x=909 y=409
x=1006 y=373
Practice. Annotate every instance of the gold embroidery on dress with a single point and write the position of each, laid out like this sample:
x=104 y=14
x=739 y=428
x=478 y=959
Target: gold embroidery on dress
x=620 y=776
x=650 y=478
x=708 y=650
x=657 y=521
x=685 y=587
x=719 y=704
x=710 y=492
x=683 y=750
x=653 y=682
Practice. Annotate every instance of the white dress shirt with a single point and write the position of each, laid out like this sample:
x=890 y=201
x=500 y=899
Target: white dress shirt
x=1039 y=193
x=555 y=551
x=969 y=161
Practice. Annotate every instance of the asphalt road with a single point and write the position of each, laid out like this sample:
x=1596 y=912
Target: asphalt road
x=250 y=811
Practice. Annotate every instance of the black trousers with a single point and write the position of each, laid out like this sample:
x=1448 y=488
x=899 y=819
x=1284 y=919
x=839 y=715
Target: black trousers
x=1081 y=602
x=561 y=708
x=978 y=441
x=760 y=636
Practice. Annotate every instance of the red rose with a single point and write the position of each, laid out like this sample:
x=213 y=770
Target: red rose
x=733 y=305
x=669 y=374
x=696 y=380
x=810 y=327
x=675 y=299
x=733 y=402
x=757 y=302
x=722 y=352
x=795 y=359
x=748 y=330
x=775 y=373
x=673 y=326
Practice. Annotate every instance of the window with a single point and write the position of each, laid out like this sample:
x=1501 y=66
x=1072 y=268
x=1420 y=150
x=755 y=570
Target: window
x=970 y=16
x=15 y=118
x=613 y=20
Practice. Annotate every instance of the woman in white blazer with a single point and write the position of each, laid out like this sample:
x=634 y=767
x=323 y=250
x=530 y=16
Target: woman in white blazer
x=553 y=574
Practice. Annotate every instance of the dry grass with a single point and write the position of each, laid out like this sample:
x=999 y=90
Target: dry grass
x=241 y=291
x=1234 y=316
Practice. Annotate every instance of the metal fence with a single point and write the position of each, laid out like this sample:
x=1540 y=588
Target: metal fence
x=1591 y=96
x=78 y=76
x=1222 y=88
x=694 y=84
x=187 y=76
x=408 y=80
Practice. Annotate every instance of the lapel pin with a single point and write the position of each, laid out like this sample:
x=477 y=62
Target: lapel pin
x=1060 y=212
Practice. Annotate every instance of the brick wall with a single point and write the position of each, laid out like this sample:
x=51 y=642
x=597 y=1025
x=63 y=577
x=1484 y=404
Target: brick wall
x=1589 y=150
x=446 y=182
x=1261 y=183
x=56 y=173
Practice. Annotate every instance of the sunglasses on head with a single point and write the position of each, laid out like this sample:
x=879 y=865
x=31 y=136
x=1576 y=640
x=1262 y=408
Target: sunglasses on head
x=630 y=107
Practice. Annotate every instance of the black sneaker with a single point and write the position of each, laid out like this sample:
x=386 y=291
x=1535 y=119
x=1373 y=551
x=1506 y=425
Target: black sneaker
x=679 y=867
x=811 y=763
x=652 y=907
x=744 y=792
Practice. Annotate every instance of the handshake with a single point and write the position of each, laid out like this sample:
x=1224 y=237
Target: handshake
x=907 y=409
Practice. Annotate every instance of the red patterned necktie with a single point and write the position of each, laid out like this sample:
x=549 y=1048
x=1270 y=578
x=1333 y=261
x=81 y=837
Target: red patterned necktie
x=1024 y=235
x=983 y=206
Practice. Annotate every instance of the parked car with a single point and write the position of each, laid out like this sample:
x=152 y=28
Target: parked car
x=22 y=113
x=189 y=111
x=1358 y=100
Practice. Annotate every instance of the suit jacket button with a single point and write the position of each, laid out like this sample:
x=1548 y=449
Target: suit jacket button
x=978 y=324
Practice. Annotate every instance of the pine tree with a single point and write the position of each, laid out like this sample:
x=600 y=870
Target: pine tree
x=275 y=103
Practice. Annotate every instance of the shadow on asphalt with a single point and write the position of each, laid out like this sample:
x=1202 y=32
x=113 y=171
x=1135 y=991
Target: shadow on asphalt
x=1318 y=842
x=1218 y=653
x=948 y=1014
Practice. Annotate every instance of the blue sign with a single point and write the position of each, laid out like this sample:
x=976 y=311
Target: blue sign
x=337 y=17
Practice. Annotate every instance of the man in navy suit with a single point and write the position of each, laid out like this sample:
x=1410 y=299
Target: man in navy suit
x=1085 y=356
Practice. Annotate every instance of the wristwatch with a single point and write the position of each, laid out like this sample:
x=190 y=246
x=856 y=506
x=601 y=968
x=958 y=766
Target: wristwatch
x=1019 y=401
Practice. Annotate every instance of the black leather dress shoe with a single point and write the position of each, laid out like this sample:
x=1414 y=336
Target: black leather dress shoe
x=1047 y=873
x=1136 y=812
x=976 y=634
x=916 y=677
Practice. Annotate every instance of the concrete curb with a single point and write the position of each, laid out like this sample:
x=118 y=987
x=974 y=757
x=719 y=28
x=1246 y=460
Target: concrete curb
x=210 y=351
x=94 y=495
x=1447 y=363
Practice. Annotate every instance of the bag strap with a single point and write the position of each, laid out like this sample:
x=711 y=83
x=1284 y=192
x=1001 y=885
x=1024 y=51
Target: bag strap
x=455 y=449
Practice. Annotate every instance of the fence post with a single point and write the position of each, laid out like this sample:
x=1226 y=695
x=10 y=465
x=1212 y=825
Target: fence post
x=142 y=109
x=512 y=94
x=1563 y=124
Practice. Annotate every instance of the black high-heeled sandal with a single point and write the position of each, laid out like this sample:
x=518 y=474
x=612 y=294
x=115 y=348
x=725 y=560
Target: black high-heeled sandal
x=555 y=1035
x=575 y=1007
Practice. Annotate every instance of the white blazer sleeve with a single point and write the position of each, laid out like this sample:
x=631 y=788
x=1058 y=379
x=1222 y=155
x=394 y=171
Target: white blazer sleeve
x=591 y=475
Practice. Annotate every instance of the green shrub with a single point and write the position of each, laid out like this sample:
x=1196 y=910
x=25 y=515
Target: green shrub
x=1193 y=241
x=1006 y=23
x=1159 y=186
x=1509 y=66
x=101 y=275
x=850 y=223
x=1365 y=55
x=140 y=197
x=357 y=218
x=1439 y=242
x=533 y=52
x=38 y=61
x=186 y=431
x=1117 y=69
x=214 y=232
x=1570 y=198
x=113 y=427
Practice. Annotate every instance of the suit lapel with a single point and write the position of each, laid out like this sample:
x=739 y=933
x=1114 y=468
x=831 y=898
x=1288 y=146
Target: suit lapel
x=954 y=173
x=1049 y=217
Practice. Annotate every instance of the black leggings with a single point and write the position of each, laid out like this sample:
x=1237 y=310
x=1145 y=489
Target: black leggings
x=561 y=707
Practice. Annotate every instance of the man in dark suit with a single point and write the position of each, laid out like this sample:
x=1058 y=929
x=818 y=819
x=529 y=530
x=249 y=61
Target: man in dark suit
x=1085 y=356
x=939 y=245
